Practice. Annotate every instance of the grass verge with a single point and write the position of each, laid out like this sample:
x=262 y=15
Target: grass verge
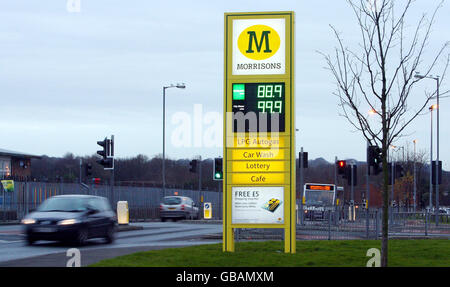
x=342 y=253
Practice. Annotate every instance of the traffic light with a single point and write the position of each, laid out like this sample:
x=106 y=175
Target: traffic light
x=433 y=173
x=341 y=166
x=218 y=169
x=106 y=153
x=399 y=172
x=96 y=180
x=370 y=156
x=88 y=169
x=378 y=155
x=305 y=159
x=193 y=165
x=374 y=159
x=105 y=144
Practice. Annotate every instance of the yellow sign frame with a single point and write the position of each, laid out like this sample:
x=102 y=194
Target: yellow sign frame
x=286 y=178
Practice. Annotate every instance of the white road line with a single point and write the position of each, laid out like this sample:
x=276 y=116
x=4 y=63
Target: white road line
x=6 y=241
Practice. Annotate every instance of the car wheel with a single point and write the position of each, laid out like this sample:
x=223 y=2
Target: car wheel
x=82 y=237
x=110 y=235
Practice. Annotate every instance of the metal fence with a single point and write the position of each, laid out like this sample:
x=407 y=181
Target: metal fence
x=363 y=223
x=143 y=202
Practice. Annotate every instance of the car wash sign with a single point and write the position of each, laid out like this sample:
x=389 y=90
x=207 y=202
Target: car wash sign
x=259 y=131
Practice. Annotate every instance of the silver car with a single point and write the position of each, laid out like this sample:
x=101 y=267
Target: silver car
x=178 y=207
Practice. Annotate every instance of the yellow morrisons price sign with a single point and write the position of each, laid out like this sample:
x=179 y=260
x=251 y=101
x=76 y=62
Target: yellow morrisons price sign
x=259 y=131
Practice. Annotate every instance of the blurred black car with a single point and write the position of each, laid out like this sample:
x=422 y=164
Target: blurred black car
x=73 y=218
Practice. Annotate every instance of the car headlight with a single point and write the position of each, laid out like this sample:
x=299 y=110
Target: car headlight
x=28 y=221
x=67 y=221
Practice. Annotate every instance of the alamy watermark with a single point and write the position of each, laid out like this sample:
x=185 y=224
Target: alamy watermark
x=205 y=129
x=375 y=260
x=74 y=255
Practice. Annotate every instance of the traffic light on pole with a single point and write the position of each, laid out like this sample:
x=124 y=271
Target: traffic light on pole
x=107 y=161
x=370 y=157
x=305 y=159
x=399 y=172
x=374 y=159
x=88 y=169
x=218 y=169
x=193 y=164
x=341 y=166
x=378 y=156
x=433 y=173
x=105 y=151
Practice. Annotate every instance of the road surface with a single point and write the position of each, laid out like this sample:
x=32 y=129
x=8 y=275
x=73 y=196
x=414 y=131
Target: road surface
x=154 y=235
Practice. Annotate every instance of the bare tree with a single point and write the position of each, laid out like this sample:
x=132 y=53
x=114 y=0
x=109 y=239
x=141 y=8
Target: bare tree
x=378 y=76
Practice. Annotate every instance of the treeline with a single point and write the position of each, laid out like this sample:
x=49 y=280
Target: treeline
x=144 y=171
x=127 y=171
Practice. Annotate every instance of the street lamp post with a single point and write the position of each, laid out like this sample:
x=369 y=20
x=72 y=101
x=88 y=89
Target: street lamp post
x=179 y=86
x=431 y=157
x=437 y=107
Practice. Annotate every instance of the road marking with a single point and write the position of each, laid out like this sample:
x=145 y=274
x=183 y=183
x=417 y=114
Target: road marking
x=6 y=241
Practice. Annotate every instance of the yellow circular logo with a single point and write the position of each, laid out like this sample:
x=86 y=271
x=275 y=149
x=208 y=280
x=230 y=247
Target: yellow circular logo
x=259 y=42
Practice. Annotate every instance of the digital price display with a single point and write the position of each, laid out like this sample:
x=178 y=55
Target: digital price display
x=261 y=99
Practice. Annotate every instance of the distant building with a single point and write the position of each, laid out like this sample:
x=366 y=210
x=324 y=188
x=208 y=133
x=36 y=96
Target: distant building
x=15 y=164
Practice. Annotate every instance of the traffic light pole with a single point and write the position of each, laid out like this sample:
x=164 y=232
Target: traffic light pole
x=337 y=217
x=352 y=195
x=200 y=179
x=301 y=184
x=431 y=162
x=81 y=167
x=164 y=145
x=367 y=196
x=112 y=187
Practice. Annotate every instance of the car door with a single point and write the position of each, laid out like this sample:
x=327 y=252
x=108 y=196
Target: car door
x=95 y=218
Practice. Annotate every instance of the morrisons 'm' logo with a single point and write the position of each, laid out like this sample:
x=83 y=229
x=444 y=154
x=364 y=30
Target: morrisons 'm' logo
x=259 y=42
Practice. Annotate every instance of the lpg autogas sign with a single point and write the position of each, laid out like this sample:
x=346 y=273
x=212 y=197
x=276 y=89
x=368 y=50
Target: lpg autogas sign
x=259 y=46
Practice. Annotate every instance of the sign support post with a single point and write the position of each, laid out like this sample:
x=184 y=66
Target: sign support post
x=259 y=130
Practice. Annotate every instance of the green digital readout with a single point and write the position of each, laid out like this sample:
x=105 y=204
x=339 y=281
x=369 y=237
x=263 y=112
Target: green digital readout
x=265 y=98
x=270 y=98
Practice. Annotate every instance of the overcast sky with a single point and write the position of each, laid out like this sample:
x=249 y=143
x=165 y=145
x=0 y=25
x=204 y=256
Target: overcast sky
x=68 y=80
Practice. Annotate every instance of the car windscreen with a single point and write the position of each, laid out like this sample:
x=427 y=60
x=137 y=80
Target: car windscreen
x=64 y=204
x=172 y=200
